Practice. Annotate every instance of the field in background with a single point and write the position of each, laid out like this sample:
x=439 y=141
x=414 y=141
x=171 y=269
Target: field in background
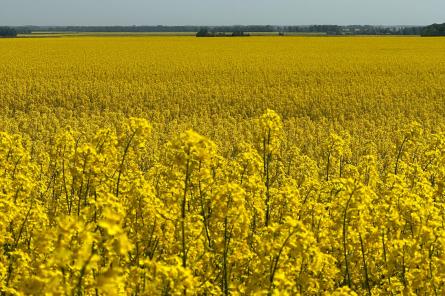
x=339 y=79
x=182 y=165
x=146 y=34
x=104 y=34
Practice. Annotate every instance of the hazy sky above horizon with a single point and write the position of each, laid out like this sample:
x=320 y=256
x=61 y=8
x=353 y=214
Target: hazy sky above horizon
x=219 y=12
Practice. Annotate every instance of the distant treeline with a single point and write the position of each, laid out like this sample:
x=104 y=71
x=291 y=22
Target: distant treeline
x=433 y=30
x=355 y=30
x=327 y=29
x=7 y=32
x=204 y=32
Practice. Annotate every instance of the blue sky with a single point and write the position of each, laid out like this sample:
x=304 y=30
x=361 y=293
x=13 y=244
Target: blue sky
x=218 y=12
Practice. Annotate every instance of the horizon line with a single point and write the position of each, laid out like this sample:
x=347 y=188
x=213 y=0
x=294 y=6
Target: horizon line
x=224 y=25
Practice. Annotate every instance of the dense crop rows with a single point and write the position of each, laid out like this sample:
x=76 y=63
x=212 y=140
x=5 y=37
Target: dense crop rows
x=156 y=166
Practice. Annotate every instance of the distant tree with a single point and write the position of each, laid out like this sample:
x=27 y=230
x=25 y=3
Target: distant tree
x=23 y=30
x=411 y=31
x=434 y=30
x=204 y=32
x=239 y=34
x=7 y=32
